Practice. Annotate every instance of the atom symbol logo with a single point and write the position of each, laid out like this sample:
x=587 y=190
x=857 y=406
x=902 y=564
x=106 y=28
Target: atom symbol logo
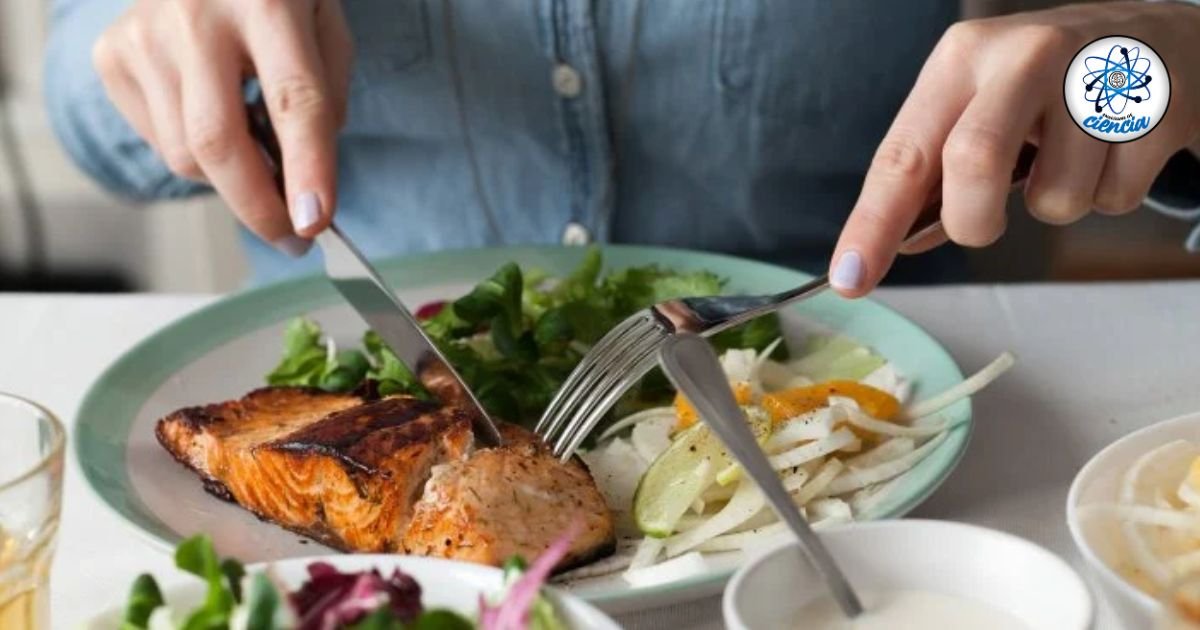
x=1120 y=77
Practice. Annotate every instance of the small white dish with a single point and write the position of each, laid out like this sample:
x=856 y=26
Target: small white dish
x=444 y=584
x=999 y=570
x=1099 y=481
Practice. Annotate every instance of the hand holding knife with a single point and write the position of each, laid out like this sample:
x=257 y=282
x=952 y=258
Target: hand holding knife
x=372 y=298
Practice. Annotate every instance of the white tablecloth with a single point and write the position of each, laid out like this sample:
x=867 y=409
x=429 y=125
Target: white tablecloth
x=1094 y=363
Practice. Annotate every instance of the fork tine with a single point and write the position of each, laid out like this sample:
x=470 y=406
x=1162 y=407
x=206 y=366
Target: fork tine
x=545 y=425
x=608 y=393
x=612 y=358
x=597 y=362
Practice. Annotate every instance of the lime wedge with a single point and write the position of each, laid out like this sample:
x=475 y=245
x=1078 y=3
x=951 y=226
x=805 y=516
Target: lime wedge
x=681 y=474
x=676 y=478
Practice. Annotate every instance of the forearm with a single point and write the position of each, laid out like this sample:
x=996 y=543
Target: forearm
x=91 y=130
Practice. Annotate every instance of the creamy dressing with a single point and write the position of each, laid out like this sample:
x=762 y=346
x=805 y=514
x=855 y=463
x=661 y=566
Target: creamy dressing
x=908 y=610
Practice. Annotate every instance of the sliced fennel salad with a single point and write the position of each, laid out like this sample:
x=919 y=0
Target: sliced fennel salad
x=835 y=423
x=1157 y=516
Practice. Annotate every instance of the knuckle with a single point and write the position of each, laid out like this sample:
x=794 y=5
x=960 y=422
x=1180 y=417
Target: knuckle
x=189 y=9
x=976 y=233
x=138 y=36
x=974 y=152
x=963 y=37
x=105 y=57
x=302 y=96
x=900 y=157
x=1045 y=39
x=210 y=141
x=179 y=160
x=1056 y=206
x=1117 y=199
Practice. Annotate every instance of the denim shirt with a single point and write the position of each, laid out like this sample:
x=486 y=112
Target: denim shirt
x=737 y=126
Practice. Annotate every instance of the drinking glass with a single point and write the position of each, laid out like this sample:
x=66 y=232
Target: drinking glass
x=31 y=470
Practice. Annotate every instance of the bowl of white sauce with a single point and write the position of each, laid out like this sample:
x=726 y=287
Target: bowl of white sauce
x=913 y=575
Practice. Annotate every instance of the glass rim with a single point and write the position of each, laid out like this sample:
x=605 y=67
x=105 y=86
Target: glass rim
x=57 y=445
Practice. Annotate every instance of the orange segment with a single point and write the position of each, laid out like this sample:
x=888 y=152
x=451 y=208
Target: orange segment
x=790 y=403
x=686 y=416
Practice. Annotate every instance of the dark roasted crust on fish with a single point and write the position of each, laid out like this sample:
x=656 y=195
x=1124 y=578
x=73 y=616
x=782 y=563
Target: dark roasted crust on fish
x=388 y=475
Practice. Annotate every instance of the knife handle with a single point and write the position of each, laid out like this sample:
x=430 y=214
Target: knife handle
x=263 y=132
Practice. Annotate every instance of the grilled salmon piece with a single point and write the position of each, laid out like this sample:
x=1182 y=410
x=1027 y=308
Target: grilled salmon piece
x=511 y=500
x=329 y=466
x=397 y=474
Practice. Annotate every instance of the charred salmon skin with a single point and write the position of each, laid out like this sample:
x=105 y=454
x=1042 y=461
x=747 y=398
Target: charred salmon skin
x=397 y=474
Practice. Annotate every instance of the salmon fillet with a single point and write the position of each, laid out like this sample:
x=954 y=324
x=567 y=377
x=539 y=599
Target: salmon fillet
x=511 y=500
x=389 y=475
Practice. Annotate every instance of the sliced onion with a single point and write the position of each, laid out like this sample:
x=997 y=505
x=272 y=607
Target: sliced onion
x=1145 y=515
x=739 y=364
x=822 y=509
x=652 y=436
x=832 y=443
x=820 y=481
x=672 y=570
x=968 y=387
x=746 y=502
x=855 y=478
x=794 y=481
x=647 y=553
x=887 y=450
x=763 y=536
x=632 y=419
x=813 y=425
x=863 y=421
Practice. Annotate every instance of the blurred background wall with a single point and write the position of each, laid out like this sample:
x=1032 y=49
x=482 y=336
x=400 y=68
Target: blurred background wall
x=59 y=231
x=88 y=239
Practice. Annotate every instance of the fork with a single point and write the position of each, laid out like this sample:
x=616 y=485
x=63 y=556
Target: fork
x=627 y=352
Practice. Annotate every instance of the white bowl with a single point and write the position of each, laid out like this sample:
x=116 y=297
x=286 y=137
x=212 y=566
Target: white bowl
x=444 y=584
x=1099 y=481
x=999 y=570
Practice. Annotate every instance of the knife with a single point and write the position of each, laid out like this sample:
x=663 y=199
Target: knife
x=372 y=298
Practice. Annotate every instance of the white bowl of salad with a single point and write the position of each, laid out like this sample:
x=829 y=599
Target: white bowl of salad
x=352 y=592
x=1134 y=513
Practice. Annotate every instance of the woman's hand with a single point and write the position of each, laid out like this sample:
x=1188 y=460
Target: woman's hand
x=175 y=70
x=991 y=85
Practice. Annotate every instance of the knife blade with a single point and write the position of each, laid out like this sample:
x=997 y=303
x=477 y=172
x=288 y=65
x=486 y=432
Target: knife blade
x=377 y=304
x=370 y=295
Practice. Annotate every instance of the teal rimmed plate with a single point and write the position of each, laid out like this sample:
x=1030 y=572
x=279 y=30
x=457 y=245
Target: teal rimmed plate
x=223 y=350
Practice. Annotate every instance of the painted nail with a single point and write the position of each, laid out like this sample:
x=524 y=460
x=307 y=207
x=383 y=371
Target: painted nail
x=292 y=245
x=306 y=211
x=847 y=274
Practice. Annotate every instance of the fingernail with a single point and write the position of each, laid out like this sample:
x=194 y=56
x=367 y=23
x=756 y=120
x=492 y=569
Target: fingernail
x=306 y=211
x=292 y=245
x=847 y=274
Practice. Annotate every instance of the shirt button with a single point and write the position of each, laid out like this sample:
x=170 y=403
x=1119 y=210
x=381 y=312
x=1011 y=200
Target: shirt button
x=566 y=80
x=576 y=234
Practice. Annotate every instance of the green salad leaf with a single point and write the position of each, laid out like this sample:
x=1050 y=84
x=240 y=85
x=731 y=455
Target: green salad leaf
x=517 y=335
x=391 y=374
x=264 y=605
x=197 y=556
x=144 y=598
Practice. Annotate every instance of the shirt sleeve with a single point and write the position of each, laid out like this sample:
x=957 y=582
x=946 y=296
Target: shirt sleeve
x=90 y=129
